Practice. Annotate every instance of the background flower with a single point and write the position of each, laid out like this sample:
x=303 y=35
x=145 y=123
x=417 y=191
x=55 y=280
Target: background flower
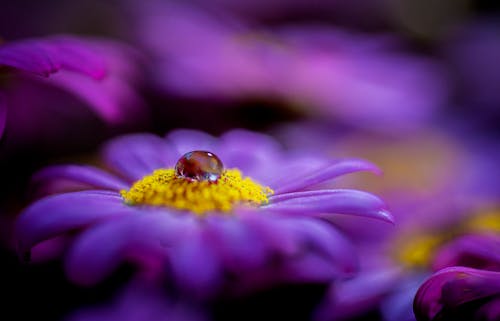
x=100 y=74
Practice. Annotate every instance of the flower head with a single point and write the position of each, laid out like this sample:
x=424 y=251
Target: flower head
x=207 y=232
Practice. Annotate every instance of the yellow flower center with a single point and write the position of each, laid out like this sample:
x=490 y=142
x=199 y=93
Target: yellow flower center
x=418 y=249
x=164 y=188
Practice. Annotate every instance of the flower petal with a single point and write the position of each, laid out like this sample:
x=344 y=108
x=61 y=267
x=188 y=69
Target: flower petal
x=137 y=155
x=238 y=245
x=324 y=239
x=300 y=181
x=195 y=264
x=187 y=140
x=86 y=175
x=338 y=201
x=252 y=153
x=452 y=287
x=143 y=239
x=55 y=215
x=45 y=56
x=477 y=251
x=344 y=298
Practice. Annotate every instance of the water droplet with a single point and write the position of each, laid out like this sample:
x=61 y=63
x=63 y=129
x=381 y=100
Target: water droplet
x=199 y=165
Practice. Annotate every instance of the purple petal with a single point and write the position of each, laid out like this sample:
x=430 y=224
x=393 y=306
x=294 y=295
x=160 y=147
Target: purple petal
x=46 y=56
x=239 y=246
x=252 y=153
x=326 y=240
x=55 y=215
x=345 y=299
x=195 y=264
x=112 y=98
x=143 y=239
x=309 y=268
x=187 y=140
x=338 y=201
x=336 y=168
x=3 y=114
x=272 y=231
x=134 y=156
x=452 y=287
x=77 y=55
x=86 y=175
x=477 y=251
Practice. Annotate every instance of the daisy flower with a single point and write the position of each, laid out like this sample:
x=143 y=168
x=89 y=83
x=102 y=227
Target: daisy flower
x=204 y=212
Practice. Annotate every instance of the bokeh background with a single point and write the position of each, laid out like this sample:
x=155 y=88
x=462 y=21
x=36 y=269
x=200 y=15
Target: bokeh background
x=413 y=86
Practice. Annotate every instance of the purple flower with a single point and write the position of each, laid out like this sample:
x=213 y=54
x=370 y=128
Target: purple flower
x=434 y=208
x=36 y=73
x=322 y=70
x=459 y=293
x=201 y=234
x=473 y=250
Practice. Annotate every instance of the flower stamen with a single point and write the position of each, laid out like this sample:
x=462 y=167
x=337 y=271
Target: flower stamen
x=164 y=188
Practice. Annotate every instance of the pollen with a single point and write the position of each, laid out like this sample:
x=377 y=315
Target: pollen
x=164 y=188
x=418 y=251
x=488 y=221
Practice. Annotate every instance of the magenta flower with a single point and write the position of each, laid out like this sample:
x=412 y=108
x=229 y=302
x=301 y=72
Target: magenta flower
x=251 y=231
x=468 y=285
x=318 y=69
x=36 y=72
x=459 y=293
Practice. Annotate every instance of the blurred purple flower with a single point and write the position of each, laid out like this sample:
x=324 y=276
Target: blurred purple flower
x=285 y=240
x=100 y=73
x=364 y=81
x=434 y=208
x=446 y=294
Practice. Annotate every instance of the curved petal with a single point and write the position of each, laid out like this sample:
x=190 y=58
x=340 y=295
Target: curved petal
x=86 y=175
x=337 y=201
x=477 y=251
x=113 y=98
x=452 y=287
x=137 y=155
x=187 y=140
x=325 y=173
x=58 y=214
x=45 y=56
x=143 y=238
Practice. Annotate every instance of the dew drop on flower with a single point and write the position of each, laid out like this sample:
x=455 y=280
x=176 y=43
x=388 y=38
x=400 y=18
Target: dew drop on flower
x=199 y=166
